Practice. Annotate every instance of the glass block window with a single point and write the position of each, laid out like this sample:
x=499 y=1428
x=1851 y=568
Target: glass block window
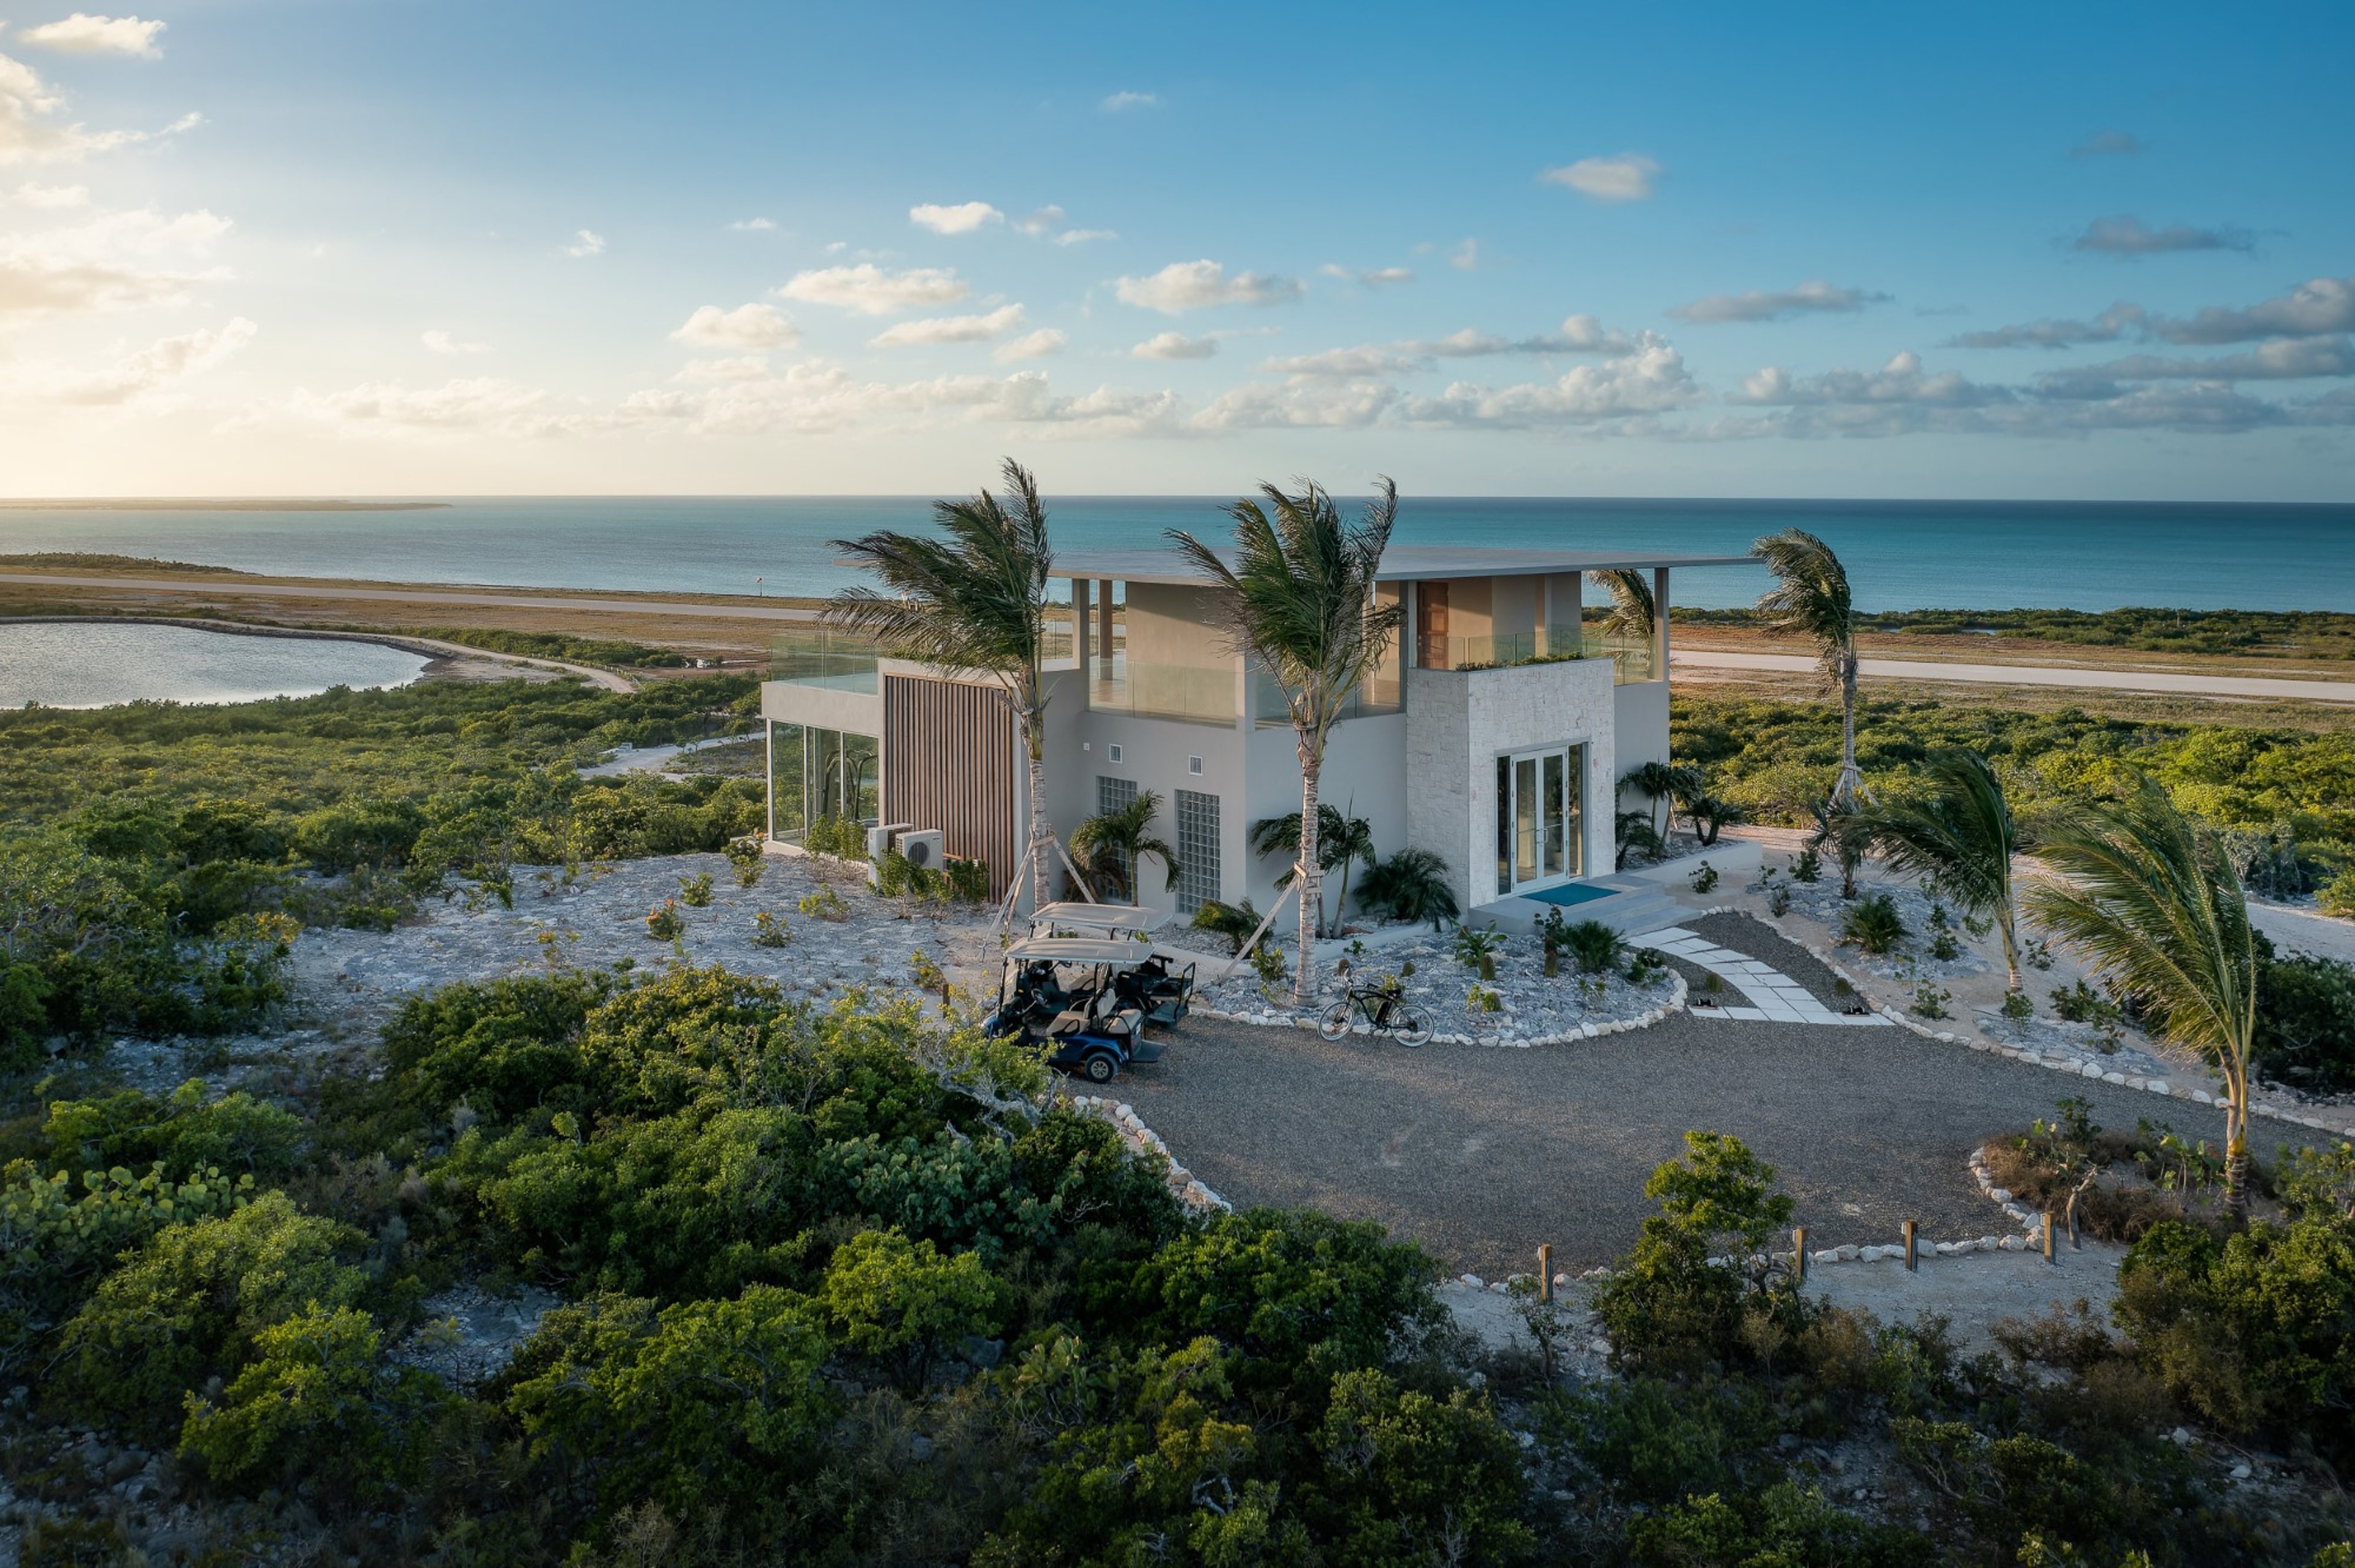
x=1198 y=850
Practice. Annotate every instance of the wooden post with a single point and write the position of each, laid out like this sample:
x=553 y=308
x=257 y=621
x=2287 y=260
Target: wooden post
x=1912 y=1245
x=1799 y=1252
x=1545 y=1272
x=2050 y=1256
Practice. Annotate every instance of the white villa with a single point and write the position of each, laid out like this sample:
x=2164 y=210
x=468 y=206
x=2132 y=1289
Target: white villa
x=1493 y=734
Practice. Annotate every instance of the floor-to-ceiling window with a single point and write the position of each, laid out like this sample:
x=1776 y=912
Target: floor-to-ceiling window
x=819 y=773
x=1538 y=837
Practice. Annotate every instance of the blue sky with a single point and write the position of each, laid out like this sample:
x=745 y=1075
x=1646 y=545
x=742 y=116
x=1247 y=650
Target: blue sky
x=428 y=247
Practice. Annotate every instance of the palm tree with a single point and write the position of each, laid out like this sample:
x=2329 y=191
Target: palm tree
x=1342 y=842
x=1960 y=839
x=1110 y=843
x=1810 y=599
x=1631 y=613
x=1664 y=783
x=1300 y=598
x=2154 y=905
x=974 y=602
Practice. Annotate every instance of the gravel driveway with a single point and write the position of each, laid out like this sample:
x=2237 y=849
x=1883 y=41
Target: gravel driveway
x=1480 y=1153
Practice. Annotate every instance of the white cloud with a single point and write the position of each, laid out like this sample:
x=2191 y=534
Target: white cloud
x=1081 y=236
x=1627 y=177
x=136 y=378
x=2108 y=328
x=951 y=329
x=1047 y=223
x=438 y=341
x=746 y=326
x=1031 y=345
x=819 y=396
x=27 y=132
x=1651 y=381
x=109 y=263
x=962 y=218
x=50 y=195
x=1299 y=404
x=868 y=290
x=1191 y=285
x=1812 y=297
x=2318 y=306
x=2275 y=359
x=1119 y=101
x=1901 y=380
x=2128 y=236
x=1466 y=258
x=82 y=34
x=753 y=225
x=1175 y=346
x=586 y=242
x=1041 y=222
x=739 y=367
x=1369 y=360
x=1374 y=279
x=484 y=404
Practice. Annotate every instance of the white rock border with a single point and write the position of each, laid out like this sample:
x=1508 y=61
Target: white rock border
x=1187 y=1187
x=1271 y=1019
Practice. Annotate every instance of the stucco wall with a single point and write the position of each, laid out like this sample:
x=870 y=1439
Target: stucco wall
x=1459 y=721
x=1643 y=723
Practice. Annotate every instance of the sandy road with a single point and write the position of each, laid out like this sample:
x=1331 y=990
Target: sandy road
x=2107 y=678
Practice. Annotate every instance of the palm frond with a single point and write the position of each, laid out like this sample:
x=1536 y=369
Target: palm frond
x=1810 y=597
x=2154 y=906
x=1633 y=613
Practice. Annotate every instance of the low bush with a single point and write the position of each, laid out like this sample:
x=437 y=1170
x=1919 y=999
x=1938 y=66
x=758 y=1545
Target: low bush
x=2306 y=1023
x=1873 y=924
x=1411 y=885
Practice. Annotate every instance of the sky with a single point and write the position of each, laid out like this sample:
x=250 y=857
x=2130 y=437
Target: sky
x=327 y=247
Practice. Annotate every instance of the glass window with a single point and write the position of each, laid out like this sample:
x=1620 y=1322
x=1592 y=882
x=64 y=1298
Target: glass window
x=835 y=774
x=1197 y=849
x=787 y=817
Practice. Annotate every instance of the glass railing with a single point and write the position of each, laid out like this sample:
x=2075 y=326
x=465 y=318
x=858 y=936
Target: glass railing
x=1632 y=658
x=1378 y=695
x=1191 y=692
x=831 y=660
x=1636 y=658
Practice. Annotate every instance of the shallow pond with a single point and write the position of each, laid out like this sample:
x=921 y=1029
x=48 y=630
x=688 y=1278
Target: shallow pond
x=90 y=664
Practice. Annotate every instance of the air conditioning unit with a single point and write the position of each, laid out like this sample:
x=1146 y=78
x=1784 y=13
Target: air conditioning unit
x=879 y=839
x=927 y=848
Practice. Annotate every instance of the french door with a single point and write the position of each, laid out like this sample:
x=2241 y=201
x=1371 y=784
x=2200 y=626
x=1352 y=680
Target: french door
x=1537 y=818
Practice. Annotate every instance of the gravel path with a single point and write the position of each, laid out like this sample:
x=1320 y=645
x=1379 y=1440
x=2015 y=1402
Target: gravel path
x=1481 y=1154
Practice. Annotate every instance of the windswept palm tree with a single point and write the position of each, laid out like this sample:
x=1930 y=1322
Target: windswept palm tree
x=1113 y=844
x=2152 y=903
x=1810 y=599
x=1342 y=842
x=974 y=602
x=1300 y=598
x=1632 y=613
x=1960 y=838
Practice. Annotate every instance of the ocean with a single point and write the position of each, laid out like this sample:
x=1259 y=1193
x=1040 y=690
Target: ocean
x=1900 y=555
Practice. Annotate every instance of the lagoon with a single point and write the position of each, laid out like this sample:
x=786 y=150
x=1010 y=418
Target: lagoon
x=87 y=664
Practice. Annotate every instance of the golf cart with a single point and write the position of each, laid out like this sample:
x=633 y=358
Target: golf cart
x=1076 y=999
x=1162 y=993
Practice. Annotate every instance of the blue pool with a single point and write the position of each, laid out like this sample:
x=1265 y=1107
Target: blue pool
x=1570 y=893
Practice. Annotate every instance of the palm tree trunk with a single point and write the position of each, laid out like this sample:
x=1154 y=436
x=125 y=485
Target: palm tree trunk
x=2236 y=1143
x=1042 y=831
x=2009 y=928
x=1311 y=879
x=1851 y=781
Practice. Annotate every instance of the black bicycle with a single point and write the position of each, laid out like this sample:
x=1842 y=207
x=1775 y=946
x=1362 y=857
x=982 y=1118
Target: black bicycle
x=1385 y=1010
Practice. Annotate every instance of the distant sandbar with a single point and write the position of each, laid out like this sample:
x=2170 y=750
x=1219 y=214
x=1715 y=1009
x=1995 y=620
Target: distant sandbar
x=215 y=504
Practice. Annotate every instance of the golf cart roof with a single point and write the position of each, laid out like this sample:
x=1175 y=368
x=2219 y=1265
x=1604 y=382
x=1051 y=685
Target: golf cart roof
x=1103 y=917
x=1079 y=950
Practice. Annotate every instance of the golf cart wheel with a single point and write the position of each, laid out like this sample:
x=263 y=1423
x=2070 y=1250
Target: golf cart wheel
x=1335 y=1022
x=1101 y=1068
x=1411 y=1028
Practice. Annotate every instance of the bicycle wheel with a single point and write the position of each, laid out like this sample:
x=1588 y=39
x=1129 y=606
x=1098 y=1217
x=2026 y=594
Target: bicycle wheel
x=1411 y=1027
x=1334 y=1022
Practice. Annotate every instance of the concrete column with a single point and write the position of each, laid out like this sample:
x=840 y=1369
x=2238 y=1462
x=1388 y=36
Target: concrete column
x=1103 y=621
x=1660 y=622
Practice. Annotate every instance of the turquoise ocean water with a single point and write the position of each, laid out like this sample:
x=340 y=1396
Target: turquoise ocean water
x=1899 y=554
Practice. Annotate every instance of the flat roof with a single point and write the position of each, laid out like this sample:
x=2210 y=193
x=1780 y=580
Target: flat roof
x=1401 y=563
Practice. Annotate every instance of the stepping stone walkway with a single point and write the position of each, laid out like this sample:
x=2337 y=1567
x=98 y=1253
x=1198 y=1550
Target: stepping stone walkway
x=1776 y=997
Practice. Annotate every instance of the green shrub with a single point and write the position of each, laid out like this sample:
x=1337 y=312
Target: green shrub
x=664 y=923
x=181 y=1136
x=1873 y=923
x=745 y=855
x=1412 y=886
x=825 y=904
x=317 y=1402
x=1233 y=922
x=2252 y=1332
x=1593 y=945
x=769 y=930
x=1409 y=1478
x=837 y=835
x=705 y=1404
x=1667 y=1304
x=187 y=1305
x=1784 y=1524
x=899 y=1301
x=968 y=879
x=498 y=1046
x=2305 y=1022
x=695 y=891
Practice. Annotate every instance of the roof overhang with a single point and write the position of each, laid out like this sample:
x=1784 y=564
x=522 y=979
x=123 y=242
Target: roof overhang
x=1404 y=563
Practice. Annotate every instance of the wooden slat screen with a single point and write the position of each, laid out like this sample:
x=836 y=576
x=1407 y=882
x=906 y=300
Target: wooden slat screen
x=948 y=763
